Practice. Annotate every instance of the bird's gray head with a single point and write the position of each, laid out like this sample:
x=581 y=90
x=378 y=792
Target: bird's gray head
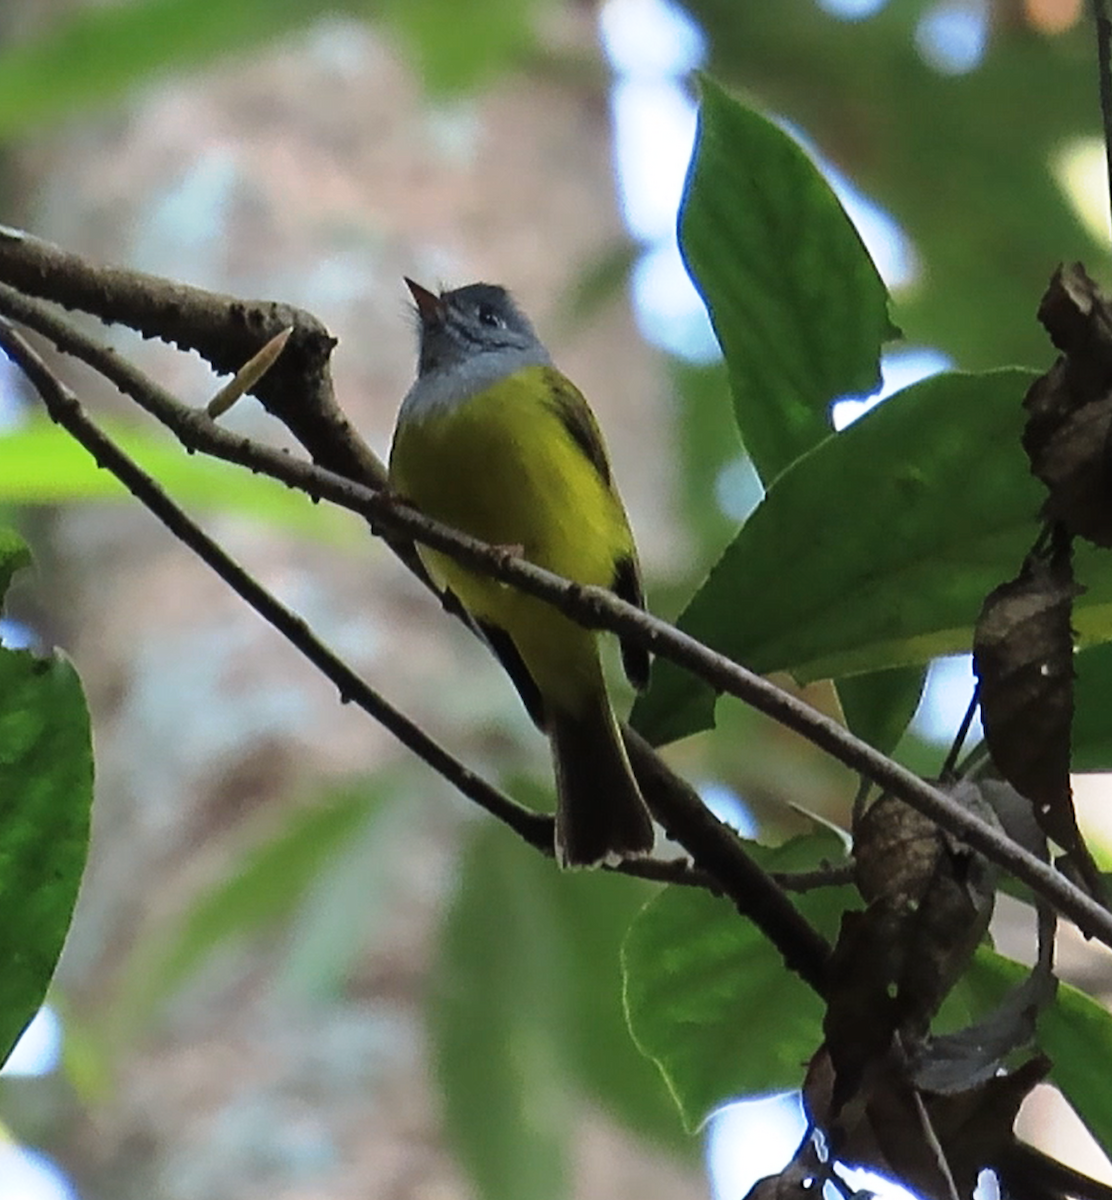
x=458 y=326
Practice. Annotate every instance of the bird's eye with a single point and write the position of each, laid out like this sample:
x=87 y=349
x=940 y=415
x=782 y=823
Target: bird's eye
x=489 y=316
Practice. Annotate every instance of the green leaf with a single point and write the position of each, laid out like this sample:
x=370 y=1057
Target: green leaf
x=876 y=549
x=41 y=464
x=14 y=556
x=500 y=1024
x=708 y=444
x=878 y=707
x=796 y=302
x=95 y=54
x=1091 y=735
x=46 y=786
x=596 y=910
x=265 y=888
x=1076 y=1033
x=710 y=1000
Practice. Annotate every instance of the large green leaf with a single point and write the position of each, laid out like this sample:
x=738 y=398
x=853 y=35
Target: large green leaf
x=41 y=464
x=798 y=307
x=1076 y=1033
x=710 y=1000
x=926 y=144
x=500 y=1024
x=46 y=787
x=879 y=706
x=596 y=910
x=876 y=549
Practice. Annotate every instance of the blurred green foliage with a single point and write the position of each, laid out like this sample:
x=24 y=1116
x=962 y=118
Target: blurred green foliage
x=41 y=464
x=95 y=54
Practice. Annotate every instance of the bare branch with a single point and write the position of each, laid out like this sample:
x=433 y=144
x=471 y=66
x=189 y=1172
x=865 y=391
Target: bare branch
x=224 y=330
x=595 y=608
x=65 y=409
x=592 y=607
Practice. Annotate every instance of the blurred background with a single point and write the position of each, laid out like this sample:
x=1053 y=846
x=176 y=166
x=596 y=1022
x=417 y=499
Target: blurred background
x=300 y=965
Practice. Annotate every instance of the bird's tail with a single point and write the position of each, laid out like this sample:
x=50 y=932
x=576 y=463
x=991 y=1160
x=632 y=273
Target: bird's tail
x=600 y=814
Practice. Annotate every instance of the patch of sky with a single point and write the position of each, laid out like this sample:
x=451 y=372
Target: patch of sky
x=899 y=369
x=39 y=1048
x=728 y=807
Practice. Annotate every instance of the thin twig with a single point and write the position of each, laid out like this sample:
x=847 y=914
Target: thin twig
x=65 y=409
x=947 y=771
x=820 y=877
x=536 y=829
x=600 y=609
x=1104 y=79
x=721 y=862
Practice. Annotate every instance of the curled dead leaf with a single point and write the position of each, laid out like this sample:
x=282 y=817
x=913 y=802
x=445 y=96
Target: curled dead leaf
x=930 y=900
x=1070 y=408
x=1023 y=660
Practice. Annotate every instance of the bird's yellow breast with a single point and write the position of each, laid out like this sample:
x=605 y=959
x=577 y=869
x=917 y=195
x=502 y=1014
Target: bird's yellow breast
x=504 y=467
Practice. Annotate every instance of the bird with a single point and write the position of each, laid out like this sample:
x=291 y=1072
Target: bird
x=493 y=440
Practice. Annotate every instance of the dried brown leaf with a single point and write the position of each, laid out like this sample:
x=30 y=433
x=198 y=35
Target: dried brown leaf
x=1070 y=408
x=930 y=898
x=1023 y=659
x=899 y=1132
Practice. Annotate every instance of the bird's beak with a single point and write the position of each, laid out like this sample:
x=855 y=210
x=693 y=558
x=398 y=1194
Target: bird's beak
x=430 y=307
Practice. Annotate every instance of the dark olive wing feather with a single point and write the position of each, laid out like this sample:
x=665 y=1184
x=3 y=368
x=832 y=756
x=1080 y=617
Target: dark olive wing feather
x=627 y=585
x=576 y=417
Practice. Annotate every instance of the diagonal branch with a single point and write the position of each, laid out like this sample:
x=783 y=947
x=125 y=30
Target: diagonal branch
x=722 y=864
x=534 y=828
x=224 y=330
x=592 y=607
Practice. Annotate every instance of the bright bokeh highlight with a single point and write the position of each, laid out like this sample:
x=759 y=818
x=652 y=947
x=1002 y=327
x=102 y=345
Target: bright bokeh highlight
x=946 y=696
x=952 y=36
x=898 y=369
x=650 y=38
x=1081 y=169
x=851 y=10
x=39 y=1048
x=28 y=1175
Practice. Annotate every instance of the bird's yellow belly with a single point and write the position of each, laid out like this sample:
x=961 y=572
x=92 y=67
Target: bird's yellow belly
x=503 y=468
